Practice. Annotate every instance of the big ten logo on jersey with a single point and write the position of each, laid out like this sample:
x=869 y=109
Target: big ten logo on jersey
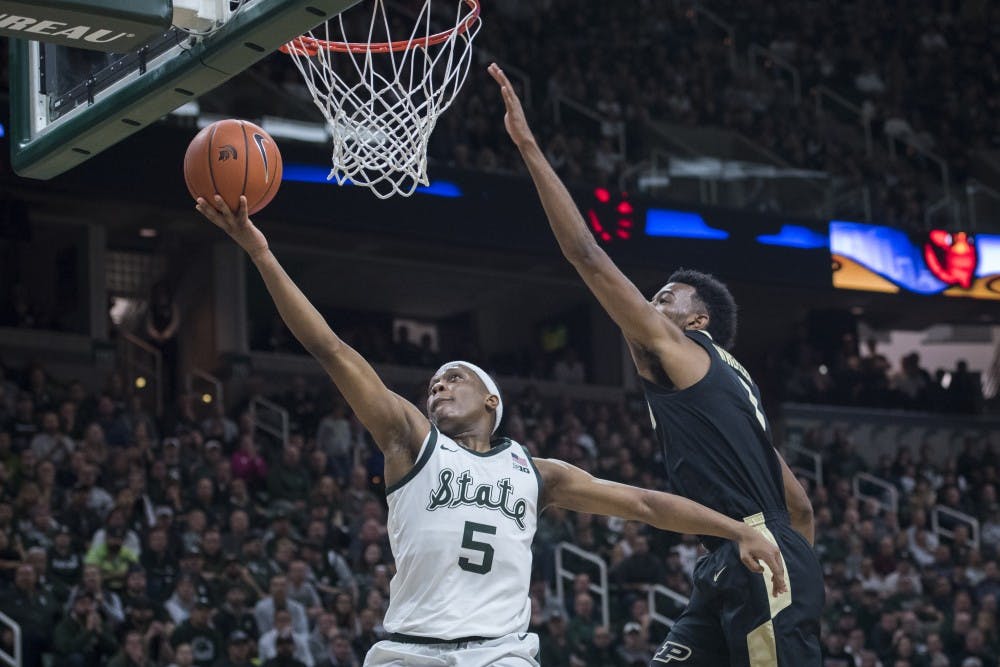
x=519 y=462
x=461 y=490
x=672 y=652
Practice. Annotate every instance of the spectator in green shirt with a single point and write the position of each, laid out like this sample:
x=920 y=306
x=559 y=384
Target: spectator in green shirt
x=581 y=627
x=112 y=558
x=288 y=478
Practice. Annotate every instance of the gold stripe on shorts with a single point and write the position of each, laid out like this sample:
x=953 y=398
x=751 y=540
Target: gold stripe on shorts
x=762 y=647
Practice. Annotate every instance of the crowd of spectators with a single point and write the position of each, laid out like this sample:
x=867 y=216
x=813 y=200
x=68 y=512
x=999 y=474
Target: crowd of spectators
x=380 y=344
x=802 y=372
x=900 y=594
x=664 y=61
x=192 y=539
x=885 y=65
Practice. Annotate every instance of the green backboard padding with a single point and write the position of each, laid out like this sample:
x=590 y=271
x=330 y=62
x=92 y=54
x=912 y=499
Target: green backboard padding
x=252 y=34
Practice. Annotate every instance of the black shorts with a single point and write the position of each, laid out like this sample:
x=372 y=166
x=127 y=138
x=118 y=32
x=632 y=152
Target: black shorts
x=732 y=619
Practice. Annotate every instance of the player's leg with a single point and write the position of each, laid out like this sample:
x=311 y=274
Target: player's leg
x=694 y=640
x=797 y=627
x=763 y=631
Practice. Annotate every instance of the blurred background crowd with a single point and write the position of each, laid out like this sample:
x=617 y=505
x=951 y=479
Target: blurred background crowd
x=196 y=538
x=138 y=532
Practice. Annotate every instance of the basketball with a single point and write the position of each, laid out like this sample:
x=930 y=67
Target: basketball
x=233 y=157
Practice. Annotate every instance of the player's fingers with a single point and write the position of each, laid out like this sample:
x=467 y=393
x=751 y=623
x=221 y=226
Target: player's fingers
x=508 y=97
x=778 y=584
x=512 y=101
x=498 y=74
x=507 y=90
x=216 y=205
x=777 y=572
x=223 y=208
x=506 y=87
x=209 y=212
x=242 y=214
x=752 y=563
x=495 y=72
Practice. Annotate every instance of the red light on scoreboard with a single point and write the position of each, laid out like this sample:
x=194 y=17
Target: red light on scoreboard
x=610 y=218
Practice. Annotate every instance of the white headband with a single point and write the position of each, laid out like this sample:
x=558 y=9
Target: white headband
x=491 y=386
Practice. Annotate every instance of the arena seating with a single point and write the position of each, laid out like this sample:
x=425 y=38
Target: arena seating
x=208 y=507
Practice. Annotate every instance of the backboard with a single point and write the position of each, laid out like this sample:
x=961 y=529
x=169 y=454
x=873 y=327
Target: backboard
x=69 y=104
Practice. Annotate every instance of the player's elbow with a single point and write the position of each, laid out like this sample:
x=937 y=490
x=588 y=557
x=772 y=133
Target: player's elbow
x=583 y=253
x=800 y=509
x=327 y=348
x=644 y=510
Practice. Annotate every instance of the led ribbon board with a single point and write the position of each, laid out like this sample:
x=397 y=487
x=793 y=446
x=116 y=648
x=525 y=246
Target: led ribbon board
x=883 y=259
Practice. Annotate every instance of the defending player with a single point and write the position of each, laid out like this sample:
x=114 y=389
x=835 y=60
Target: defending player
x=463 y=510
x=716 y=442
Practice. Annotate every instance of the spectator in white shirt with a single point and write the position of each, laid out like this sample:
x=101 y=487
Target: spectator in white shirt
x=282 y=633
x=264 y=611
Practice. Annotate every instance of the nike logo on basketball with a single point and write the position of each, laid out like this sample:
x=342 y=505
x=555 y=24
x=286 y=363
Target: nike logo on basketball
x=259 y=140
x=719 y=573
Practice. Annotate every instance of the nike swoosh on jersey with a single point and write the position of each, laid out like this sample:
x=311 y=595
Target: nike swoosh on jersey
x=719 y=573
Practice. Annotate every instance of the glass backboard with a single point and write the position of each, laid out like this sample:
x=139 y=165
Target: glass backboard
x=69 y=104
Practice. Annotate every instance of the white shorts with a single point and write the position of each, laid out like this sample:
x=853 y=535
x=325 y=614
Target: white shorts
x=514 y=650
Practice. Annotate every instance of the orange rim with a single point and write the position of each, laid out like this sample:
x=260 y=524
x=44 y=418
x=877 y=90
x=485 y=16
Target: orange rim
x=310 y=46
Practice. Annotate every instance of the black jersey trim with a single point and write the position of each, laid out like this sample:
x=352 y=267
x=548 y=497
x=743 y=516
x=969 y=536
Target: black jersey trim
x=503 y=445
x=425 y=456
x=417 y=639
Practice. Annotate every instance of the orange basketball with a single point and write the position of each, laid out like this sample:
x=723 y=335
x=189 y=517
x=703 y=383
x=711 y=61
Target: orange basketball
x=232 y=158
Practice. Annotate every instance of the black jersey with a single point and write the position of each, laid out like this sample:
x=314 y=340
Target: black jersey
x=716 y=440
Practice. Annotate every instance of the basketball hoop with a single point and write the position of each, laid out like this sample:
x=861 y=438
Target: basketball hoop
x=381 y=100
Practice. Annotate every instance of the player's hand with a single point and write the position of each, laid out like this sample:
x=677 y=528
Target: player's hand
x=754 y=549
x=513 y=120
x=237 y=224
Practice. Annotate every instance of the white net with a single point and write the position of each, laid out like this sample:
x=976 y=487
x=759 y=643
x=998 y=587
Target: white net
x=381 y=100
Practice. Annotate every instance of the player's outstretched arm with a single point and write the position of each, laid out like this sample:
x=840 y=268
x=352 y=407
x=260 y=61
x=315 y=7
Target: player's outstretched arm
x=396 y=425
x=683 y=360
x=574 y=489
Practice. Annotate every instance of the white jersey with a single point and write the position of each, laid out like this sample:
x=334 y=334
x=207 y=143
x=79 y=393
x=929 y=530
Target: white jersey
x=460 y=526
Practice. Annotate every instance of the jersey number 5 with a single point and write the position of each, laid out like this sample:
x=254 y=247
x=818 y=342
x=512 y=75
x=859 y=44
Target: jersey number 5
x=482 y=547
